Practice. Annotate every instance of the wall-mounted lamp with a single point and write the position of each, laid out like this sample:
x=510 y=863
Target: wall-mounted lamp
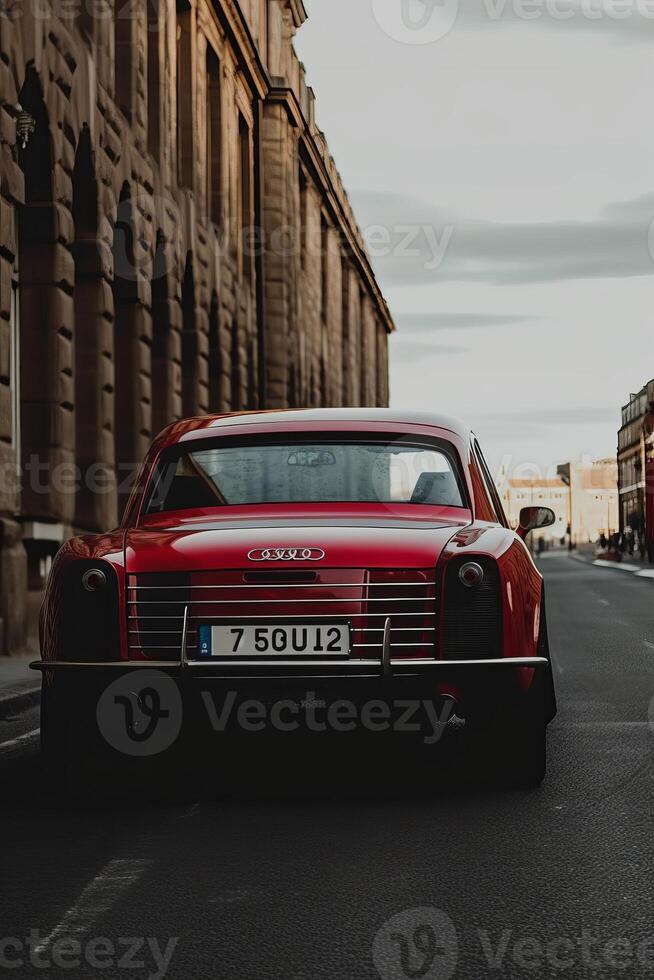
x=25 y=127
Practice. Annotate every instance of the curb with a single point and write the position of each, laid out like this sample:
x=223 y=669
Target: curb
x=638 y=571
x=13 y=704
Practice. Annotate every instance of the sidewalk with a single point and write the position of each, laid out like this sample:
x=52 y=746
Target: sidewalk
x=630 y=563
x=20 y=687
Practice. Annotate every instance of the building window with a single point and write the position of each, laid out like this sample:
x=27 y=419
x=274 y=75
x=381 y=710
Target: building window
x=346 y=350
x=245 y=194
x=304 y=190
x=363 y=352
x=324 y=268
x=236 y=369
x=185 y=158
x=214 y=137
x=154 y=80
x=215 y=358
x=14 y=363
x=190 y=352
x=123 y=57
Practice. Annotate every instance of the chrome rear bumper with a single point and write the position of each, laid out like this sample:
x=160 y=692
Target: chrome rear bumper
x=236 y=669
x=384 y=667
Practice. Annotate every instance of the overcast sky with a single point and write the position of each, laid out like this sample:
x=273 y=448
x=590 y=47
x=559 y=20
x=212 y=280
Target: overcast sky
x=500 y=157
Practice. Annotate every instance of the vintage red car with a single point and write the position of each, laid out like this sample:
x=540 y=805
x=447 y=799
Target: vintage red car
x=349 y=553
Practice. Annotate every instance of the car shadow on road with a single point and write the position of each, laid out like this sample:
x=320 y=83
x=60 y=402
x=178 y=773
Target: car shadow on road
x=264 y=769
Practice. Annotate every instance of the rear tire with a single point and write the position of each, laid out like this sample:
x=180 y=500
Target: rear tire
x=513 y=756
x=54 y=739
x=62 y=752
x=525 y=764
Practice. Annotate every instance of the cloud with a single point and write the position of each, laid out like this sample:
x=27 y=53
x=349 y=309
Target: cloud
x=409 y=351
x=459 y=321
x=416 y=243
x=551 y=417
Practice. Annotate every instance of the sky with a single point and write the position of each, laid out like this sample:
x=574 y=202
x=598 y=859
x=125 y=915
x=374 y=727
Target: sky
x=499 y=155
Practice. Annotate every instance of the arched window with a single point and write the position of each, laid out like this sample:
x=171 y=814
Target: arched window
x=190 y=352
x=93 y=348
x=130 y=425
x=215 y=358
x=155 y=28
x=252 y=375
x=35 y=239
x=42 y=354
x=363 y=352
x=214 y=137
x=124 y=49
x=165 y=405
x=291 y=396
x=346 y=398
x=184 y=92
x=236 y=402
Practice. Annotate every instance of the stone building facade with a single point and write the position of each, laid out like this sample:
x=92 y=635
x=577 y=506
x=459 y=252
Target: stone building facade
x=174 y=240
x=636 y=470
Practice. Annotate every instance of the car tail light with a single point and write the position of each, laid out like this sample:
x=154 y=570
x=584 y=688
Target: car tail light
x=471 y=575
x=87 y=616
x=94 y=579
x=472 y=610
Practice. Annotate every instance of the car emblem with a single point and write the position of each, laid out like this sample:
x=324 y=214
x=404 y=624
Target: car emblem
x=287 y=554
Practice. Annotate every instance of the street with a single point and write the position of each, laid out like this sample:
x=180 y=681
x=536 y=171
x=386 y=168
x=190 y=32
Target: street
x=296 y=886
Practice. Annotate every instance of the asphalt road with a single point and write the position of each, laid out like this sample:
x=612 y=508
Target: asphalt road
x=403 y=872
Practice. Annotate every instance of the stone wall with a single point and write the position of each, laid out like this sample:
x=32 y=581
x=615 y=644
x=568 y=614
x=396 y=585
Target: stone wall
x=174 y=240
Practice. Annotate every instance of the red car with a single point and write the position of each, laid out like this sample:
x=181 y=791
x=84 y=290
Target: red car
x=331 y=566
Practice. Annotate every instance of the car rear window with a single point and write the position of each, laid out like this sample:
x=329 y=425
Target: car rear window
x=334 y=471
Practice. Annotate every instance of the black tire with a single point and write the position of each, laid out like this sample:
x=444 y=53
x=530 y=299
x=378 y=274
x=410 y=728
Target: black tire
x=54 y=740
x=513 y=745
x=61 y=754
x=520 y=755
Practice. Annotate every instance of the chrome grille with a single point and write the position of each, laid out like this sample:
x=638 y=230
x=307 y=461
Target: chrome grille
x=365 y=598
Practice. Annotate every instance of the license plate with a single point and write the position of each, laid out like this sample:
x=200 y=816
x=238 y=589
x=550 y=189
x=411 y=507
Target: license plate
x=296 y=640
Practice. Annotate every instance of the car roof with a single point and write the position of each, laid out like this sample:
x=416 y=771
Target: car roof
x=186 y=428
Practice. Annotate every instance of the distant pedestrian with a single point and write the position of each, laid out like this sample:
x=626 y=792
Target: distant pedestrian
x=628 y=540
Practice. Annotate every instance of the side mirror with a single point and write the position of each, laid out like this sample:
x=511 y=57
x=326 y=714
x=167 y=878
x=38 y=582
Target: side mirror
x=534 y=519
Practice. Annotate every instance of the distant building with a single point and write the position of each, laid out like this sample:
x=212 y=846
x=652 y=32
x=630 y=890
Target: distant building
x=636 y=468
x=539 y=492
x=595 y=501
x=583 y=496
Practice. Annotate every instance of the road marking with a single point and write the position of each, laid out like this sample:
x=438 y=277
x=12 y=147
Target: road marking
x=17 y=695
x=650 y=646
x=604 y=602
x=646 y=573
x=20 y=740
x=97 y=899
